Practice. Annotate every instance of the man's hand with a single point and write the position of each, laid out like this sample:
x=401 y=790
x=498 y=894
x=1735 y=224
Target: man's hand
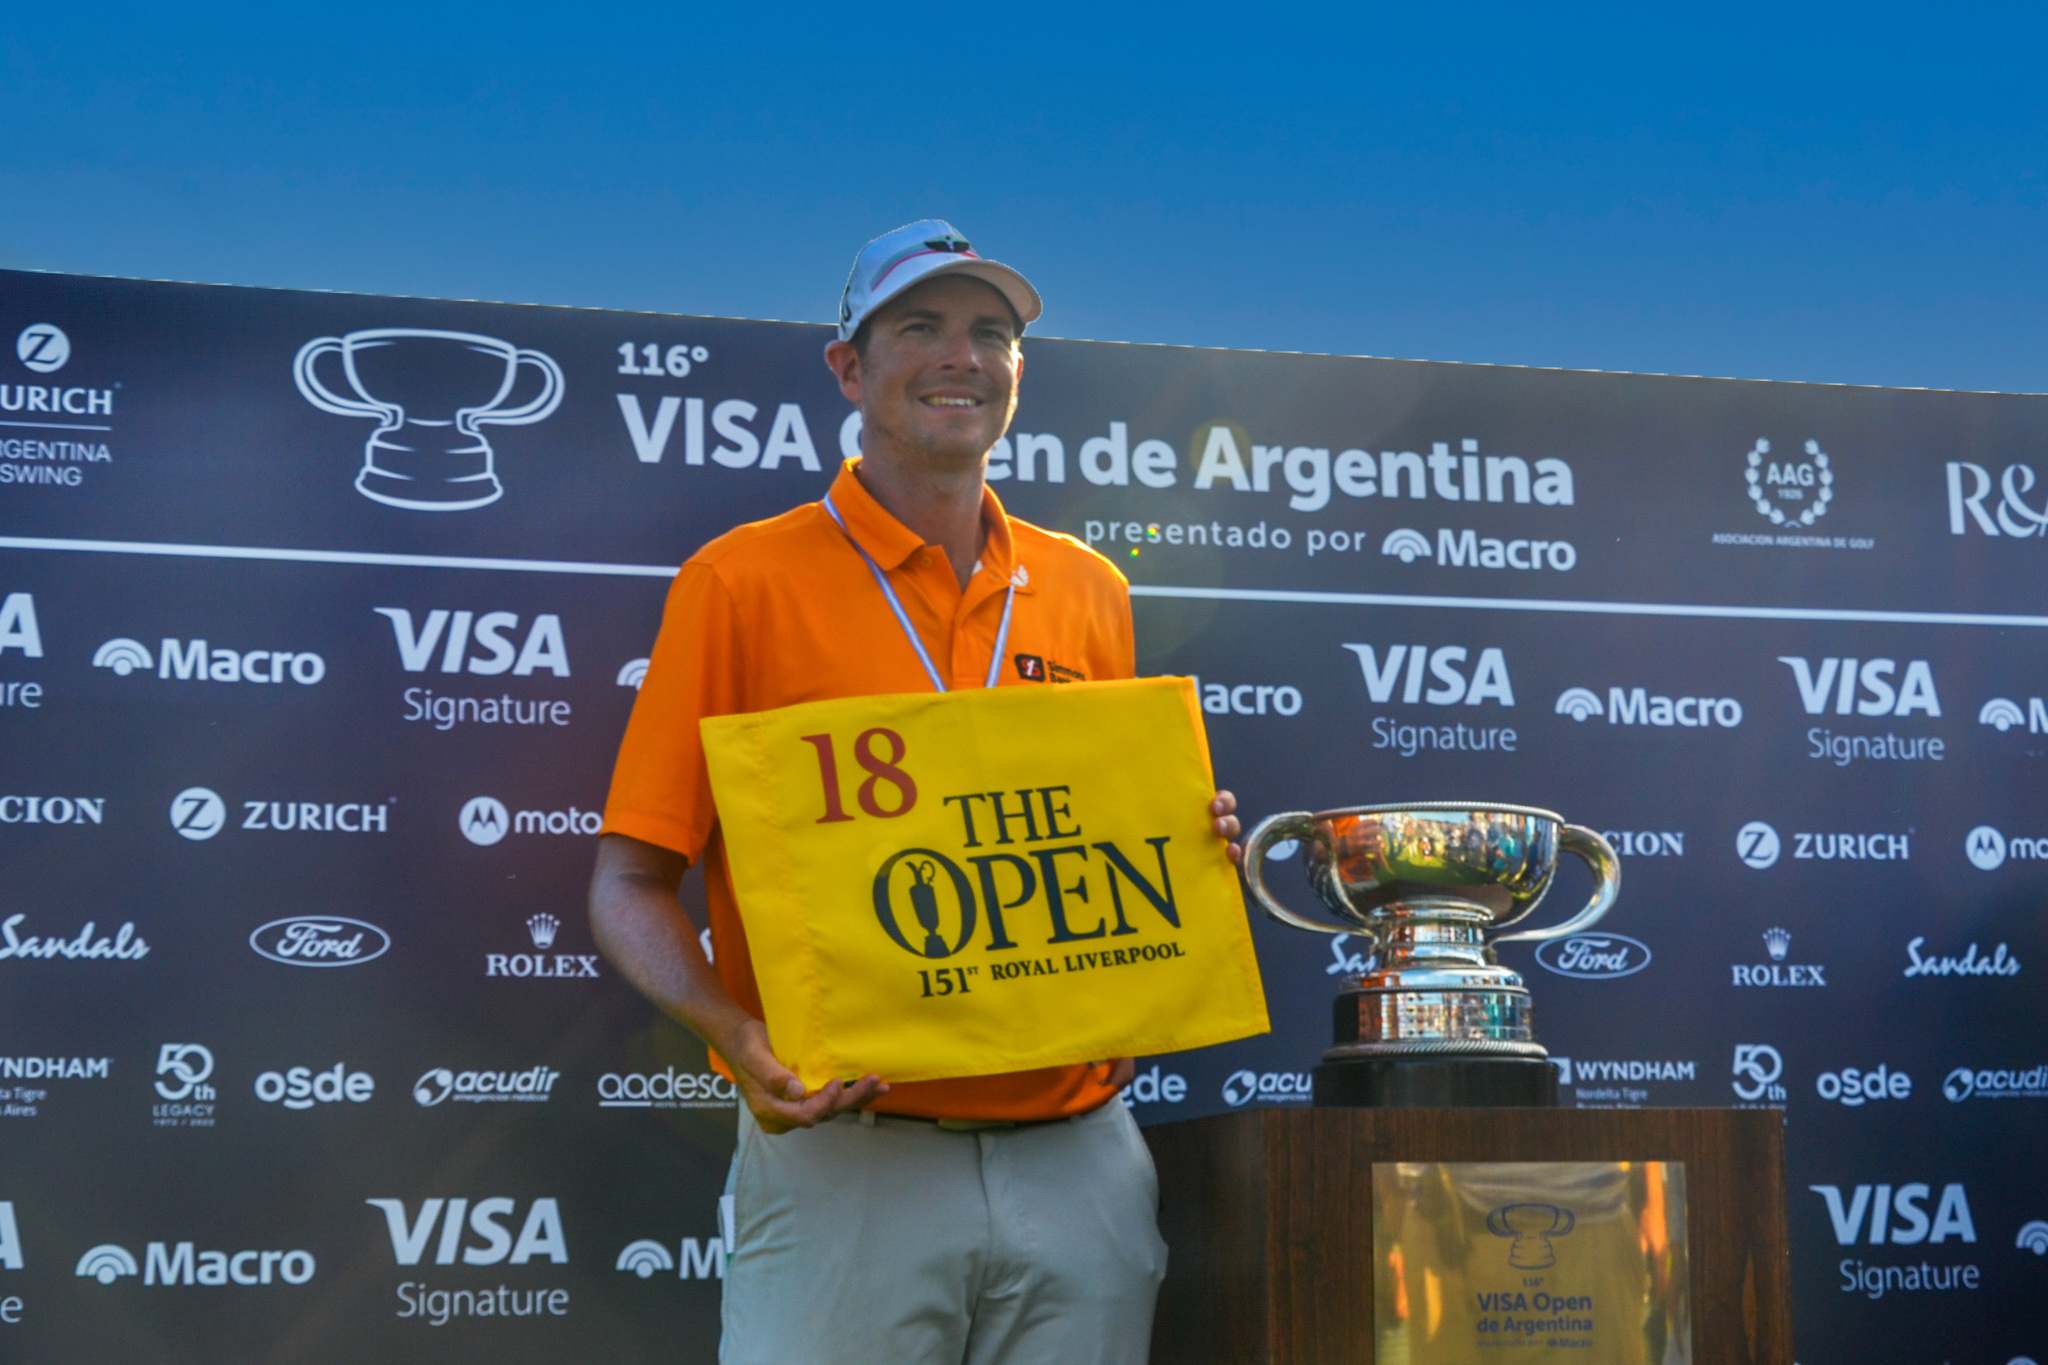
x=1224 y=809
x=775 y=1094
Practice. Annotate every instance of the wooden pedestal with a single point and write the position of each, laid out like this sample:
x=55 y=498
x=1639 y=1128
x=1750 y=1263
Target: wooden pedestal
x=1268 y=1217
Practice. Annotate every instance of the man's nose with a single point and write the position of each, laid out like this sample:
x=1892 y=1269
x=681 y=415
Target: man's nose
x=959 y=353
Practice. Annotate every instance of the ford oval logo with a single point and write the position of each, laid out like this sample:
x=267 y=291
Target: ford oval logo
x=320 y=941
x=1594 y=957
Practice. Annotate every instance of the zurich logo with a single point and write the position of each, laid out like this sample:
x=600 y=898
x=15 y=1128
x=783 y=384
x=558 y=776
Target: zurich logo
x=1594 y=957
x=320 y=941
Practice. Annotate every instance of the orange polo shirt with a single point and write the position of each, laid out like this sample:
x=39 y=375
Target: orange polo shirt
x=784 y=611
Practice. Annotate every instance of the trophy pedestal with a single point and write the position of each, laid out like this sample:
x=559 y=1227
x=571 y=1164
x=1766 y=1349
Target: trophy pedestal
x=1269 y=1214
x=1435 y=1083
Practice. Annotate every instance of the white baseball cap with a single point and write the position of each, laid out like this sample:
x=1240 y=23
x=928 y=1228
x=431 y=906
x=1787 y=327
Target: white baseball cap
x=917 y=251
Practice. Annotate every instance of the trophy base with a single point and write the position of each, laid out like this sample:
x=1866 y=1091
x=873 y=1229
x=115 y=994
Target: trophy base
x=1436 y=1083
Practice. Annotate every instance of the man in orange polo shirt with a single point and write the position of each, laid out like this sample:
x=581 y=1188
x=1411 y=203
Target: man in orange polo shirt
x=992 y=1219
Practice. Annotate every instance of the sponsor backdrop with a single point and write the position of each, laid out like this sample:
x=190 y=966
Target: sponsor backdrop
x=321 y=616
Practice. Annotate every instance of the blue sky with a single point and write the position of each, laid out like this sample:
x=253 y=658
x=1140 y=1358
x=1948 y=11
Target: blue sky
x=1843 y=194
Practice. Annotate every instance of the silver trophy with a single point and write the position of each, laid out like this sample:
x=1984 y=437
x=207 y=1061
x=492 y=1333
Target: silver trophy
x=1434 y=1019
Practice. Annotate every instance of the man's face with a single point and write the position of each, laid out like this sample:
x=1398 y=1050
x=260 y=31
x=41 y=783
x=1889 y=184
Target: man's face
x=939 y=379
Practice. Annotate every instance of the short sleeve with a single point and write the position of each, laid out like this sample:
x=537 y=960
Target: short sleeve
x=661 y=788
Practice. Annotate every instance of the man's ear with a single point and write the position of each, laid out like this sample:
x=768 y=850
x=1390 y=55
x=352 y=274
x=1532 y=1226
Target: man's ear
x=844 y=362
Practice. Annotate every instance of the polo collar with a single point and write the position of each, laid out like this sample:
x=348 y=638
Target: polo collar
x=891 y=544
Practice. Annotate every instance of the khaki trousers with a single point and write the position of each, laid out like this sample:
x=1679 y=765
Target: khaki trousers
x=897 y=1242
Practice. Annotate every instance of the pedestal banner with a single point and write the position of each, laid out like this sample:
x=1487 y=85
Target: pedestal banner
x=321 y=616
x=992 y=885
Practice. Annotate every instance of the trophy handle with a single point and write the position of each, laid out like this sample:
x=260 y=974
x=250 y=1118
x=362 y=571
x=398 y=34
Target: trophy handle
x=1299 y=825
x=1600 y=857
x=542 y=404
x=324 y=398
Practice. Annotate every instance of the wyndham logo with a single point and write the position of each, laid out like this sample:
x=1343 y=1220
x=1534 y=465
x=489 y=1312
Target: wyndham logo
x=1594 y=957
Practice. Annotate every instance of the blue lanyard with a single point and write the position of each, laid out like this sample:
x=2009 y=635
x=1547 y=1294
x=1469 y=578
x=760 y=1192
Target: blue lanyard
x=995 y=660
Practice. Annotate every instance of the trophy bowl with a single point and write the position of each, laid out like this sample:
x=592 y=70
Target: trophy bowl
x=1434 y=1019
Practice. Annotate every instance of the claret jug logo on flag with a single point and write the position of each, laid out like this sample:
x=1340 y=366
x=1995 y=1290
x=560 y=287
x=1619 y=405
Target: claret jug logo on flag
x=976 y=882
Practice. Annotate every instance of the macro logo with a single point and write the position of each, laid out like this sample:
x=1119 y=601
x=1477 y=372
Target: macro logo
x=488 y=1223
x=1247 y=699
x=197 y=661
x=1970 y=484
x=164 y=1264
x=2033 y=1237
x=320 y=941
x=1851 y=1086
x=693 y=1259
x=1594 y=957
x=1791 y=492
x=1270 y=1087
x=1969 y=1083
x=532 y=1086
x=1757 y=1068
x=1638 y=706
x=42 y=347
x=632 y=673
x=2003 y=714
x=198 y=813
x=1468 y=549
x=107 y=1263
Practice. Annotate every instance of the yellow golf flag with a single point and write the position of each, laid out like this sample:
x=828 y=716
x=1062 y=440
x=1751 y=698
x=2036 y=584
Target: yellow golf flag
x=966 y=883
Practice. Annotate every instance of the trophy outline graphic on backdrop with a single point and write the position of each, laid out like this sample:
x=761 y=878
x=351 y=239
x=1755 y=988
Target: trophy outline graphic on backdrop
x=1531 y=1226
x=1434 y=1019
x=428 y=453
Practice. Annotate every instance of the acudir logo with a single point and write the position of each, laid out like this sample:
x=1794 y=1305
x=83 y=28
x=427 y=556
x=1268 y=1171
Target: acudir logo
x=1971 y=1083
x=1594 y=957
x=431 y=393
x=1269 y=1087
x=320 y=941
x=531 y=1086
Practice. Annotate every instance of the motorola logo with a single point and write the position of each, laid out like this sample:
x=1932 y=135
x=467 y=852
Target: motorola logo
x=484 y=820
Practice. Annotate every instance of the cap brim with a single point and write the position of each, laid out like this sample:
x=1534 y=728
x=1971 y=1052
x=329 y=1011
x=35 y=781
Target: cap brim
x=1007 y=282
